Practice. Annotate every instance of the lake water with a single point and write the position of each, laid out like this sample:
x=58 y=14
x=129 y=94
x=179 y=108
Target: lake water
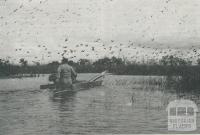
x=124 y=104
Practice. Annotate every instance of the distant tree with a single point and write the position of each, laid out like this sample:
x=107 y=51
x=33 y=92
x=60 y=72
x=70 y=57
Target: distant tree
x=117 y=61
x=6 y=62
x=1 y=62
x=84 y=62
x=152 y=62
x=23 y=62
x=52 y=67
x=36 y=63
x=170 y=60
x=198 y=61
x=103 y=64
x=174 y=65
x=54 y=63
x=24 y=65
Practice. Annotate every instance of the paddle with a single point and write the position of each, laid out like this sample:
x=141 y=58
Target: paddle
x=98 y=76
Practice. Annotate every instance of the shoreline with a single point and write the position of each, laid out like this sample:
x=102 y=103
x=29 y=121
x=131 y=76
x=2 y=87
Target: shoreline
x=21 y=76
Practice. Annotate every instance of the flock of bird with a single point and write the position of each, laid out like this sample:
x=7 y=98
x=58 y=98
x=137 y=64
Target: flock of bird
x=98 y=48
x=132 y=52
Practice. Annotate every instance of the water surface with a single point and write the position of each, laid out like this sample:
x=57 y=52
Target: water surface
x=125 y=104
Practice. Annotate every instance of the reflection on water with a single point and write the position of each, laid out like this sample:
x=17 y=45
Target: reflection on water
x=125 y=104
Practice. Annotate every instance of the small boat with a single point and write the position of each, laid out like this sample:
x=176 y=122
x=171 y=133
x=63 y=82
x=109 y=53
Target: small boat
x=78 y=85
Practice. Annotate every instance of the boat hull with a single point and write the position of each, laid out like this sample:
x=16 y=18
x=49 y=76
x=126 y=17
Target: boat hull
x=79 y=85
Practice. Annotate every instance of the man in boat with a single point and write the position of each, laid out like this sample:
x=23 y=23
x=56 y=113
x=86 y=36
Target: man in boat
x=66 y=75
x=73 y=77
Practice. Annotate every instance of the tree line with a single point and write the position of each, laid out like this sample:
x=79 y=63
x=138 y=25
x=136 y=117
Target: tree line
x=168 y=65
x=180 y=73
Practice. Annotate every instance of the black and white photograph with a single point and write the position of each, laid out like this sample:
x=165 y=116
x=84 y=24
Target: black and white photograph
x=99 y=67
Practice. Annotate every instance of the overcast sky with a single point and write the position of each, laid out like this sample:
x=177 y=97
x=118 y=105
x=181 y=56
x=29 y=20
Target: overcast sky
x=40 y=30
